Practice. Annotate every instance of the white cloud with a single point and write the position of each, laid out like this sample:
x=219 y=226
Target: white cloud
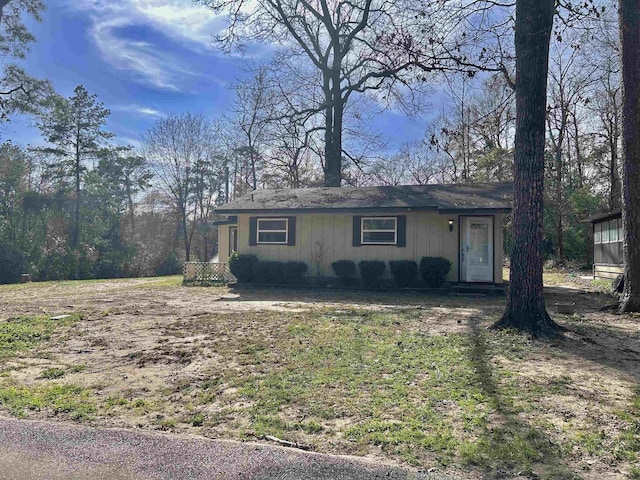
x=182 y=19
x=139 y=110
x=179 y=19
x=191 y=26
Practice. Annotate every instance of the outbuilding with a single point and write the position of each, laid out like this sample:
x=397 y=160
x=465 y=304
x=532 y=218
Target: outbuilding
x=608 y=260
x=461 y=222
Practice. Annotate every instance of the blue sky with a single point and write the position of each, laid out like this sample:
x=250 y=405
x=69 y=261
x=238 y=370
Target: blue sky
x=146 y=59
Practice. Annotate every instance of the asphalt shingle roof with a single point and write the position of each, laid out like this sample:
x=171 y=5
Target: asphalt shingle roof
x=478 y=196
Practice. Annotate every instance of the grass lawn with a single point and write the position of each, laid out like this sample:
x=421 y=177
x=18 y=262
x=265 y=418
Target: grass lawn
x=402 y=379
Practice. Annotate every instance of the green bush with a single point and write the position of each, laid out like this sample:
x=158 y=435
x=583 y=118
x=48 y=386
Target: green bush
x=169 y=266
x=404 y=272
x=434 y=270
x=371 y=271
x=294 y=272
x=345 y=270
x=242 y=266
x=12 y=263
x=268 y=272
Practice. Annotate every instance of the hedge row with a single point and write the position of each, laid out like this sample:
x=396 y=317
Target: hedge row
x=433 y=271
x=248 y=269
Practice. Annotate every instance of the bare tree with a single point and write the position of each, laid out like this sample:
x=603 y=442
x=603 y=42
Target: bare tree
x=177 y=148
x=569 y=81
x=354 y=47
x=606 y=99
x=253 y=110
x=291 y=159
x=417 y=163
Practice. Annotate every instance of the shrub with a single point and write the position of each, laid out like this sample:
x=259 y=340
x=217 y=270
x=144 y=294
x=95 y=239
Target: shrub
x=169 y=266
x=404 y=272
x=371 y=271
x=345 y=270
x=294 y=272
x=434 y=270
x=242 y=266
x=12 y=263
x=268 y=272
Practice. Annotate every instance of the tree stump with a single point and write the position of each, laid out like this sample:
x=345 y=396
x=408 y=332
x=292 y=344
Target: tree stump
x=25 y=278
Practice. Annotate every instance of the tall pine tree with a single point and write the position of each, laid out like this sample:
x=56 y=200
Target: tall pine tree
x=525 y=303
x=74 y=129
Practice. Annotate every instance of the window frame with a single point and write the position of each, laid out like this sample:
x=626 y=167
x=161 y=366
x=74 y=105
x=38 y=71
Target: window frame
x=395 y=230
x=271 y=219
x=608 y=226
x=235 y=239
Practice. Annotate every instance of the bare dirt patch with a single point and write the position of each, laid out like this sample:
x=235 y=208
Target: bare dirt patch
x=399 y=377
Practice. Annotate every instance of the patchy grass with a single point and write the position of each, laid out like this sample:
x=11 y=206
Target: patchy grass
x=19 y=334
x=67 y=400
x=52 y=373
x=417 y=396
x=403 y=378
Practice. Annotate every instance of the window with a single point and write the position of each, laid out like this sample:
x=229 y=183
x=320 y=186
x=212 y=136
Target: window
x=613 y=230
x=379 y=230
x=273 y=230
x=608 y=232
x=233 y=240
x=620 y=236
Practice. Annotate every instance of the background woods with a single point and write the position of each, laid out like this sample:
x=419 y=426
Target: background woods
x=80 y=203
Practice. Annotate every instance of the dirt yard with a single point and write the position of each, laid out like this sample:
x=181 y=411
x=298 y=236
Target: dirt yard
x=402 y=379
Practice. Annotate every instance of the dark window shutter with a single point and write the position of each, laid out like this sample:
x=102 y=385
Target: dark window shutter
x=253 y=231
x=402 y=230
x=357 y=224
x=292 y=231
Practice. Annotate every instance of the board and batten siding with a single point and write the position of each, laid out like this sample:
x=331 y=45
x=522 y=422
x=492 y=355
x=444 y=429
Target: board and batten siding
x=223 y=243
x=323 y=238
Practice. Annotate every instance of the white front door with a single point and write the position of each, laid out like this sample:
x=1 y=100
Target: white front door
x=476 y=249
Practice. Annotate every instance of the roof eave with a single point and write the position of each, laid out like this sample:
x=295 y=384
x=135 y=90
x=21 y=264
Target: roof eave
x=443 y=211
x=602 y=216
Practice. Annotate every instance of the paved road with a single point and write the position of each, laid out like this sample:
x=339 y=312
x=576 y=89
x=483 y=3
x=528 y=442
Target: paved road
x=53 y=451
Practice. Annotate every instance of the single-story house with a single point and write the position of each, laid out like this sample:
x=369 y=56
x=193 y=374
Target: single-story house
x=461 y=222
x=608 y=261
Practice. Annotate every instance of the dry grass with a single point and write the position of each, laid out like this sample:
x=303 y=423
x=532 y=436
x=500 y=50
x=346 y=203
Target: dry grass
x=406 y=379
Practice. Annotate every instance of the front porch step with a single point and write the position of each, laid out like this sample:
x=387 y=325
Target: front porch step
x=478 y=289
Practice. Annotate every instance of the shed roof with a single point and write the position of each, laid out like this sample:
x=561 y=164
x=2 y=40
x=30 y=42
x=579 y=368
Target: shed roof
x=445 y=198
x=603 y=216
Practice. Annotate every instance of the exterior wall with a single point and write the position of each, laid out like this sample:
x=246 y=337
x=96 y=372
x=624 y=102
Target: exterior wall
x=608 y=252
x=323 y=238
x=607 y=272
x=498 y=247
x=223 y=243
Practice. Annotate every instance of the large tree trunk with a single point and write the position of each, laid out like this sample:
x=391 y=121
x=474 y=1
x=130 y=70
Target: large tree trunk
x=333 y=124
x=525 y=309
x=629 y=17
x=75 y=232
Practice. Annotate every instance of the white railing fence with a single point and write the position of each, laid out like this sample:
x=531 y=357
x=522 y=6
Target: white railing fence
x=207 y=273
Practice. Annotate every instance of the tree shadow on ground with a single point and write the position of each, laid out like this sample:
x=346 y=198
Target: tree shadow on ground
x=611 y=346
x=509 y=445
x=396 y=298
